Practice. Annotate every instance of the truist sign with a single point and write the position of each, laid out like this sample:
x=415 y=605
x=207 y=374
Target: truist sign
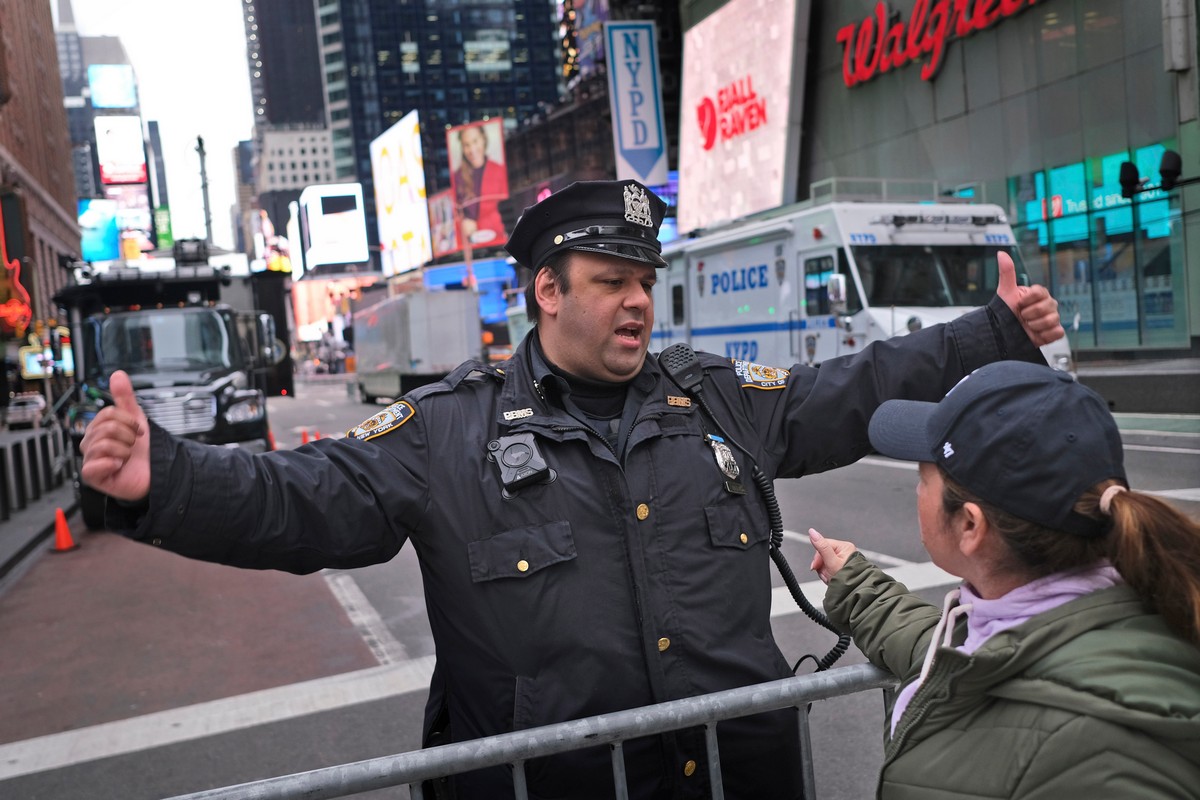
x=884 y=41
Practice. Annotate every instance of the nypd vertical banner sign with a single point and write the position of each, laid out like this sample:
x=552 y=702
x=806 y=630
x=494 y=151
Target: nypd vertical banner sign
x=639 y=135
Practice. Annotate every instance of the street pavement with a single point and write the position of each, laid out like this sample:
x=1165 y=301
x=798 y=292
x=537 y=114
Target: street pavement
x=234 y=634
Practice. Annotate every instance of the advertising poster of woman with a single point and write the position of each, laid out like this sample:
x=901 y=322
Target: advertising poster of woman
x=478 y=180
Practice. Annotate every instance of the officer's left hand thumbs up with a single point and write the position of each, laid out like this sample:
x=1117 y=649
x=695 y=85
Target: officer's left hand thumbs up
x=1032 y=305
x=116 y=446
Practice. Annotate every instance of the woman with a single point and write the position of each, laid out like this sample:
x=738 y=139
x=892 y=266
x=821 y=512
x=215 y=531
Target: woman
x=479 y=186
x=1067 y=664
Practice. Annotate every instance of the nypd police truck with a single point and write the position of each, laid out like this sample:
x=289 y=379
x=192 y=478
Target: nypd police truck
x=802 y=283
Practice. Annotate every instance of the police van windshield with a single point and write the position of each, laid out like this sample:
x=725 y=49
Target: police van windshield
x=170 y=340
x=927 y=275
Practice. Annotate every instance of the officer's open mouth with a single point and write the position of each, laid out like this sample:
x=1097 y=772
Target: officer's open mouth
x=630 y=332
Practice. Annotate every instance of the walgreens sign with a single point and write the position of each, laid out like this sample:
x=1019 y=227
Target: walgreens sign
x=884 y=40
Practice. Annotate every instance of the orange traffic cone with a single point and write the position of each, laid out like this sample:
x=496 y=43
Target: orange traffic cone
x=304 y=436
x=62 y=534
x=271 y=439
x=316 y=434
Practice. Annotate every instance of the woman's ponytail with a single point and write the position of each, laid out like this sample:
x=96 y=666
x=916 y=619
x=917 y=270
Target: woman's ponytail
x=1156 y=548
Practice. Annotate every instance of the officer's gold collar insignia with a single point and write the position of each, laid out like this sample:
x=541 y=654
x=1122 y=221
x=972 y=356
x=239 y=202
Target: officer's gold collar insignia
x=758 y=376
x=389 y=419
x=682 y=402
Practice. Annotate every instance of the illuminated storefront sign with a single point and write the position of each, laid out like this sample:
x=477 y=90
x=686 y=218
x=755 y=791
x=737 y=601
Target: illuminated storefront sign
x=883 y=41
x=15 y=309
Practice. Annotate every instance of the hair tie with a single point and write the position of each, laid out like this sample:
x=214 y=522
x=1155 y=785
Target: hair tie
x=1106 y=498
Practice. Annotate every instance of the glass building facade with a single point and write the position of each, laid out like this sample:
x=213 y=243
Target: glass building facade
x=1036 y=112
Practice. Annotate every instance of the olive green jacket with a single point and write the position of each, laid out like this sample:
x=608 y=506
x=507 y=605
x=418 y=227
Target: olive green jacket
x=1094 y=699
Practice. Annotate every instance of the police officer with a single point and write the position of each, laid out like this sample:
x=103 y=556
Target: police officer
x=585 y=542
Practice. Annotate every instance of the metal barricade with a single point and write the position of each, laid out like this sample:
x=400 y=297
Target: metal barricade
x=612 y=729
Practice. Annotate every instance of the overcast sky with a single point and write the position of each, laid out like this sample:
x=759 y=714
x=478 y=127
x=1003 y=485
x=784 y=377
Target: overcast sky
x=190 y=61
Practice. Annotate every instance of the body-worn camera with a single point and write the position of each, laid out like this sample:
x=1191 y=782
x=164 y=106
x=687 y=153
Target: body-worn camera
x=520 y=462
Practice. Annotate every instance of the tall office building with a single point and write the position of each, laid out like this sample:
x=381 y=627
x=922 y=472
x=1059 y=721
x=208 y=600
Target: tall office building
x=451 y=63
x=285 y=70
x=291 y=147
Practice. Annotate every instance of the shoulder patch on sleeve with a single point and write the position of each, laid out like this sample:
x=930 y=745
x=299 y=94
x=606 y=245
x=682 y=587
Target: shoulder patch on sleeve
x=389 y=419
x=757 y=376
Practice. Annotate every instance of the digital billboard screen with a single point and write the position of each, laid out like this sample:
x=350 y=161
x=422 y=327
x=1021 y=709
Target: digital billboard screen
x=740 y=118
x=333 y=225
x=398 y=169
x=100 y=237
x=112 y=86
x=120 y=148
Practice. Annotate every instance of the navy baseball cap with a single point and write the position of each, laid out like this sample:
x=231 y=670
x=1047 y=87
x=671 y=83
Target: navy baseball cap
x=1027 y=439
x=620 y=218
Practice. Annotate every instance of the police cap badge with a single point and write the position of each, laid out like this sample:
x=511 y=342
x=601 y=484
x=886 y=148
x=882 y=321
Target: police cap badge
x=620 y=218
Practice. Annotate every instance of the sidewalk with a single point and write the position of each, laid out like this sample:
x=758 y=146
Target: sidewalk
x=1145 y=387
x=33 y=527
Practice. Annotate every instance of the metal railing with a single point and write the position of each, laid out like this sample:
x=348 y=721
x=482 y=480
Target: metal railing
x=613 y=729
x=32 y=463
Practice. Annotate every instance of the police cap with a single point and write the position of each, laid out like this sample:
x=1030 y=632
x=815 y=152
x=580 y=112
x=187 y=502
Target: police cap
x=619 y=218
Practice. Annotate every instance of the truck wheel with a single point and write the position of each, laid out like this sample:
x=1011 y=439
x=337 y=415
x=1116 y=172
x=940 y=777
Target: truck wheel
x=91 y=506
x=363 y=396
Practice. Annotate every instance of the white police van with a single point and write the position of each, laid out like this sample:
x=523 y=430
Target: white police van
x=802 y=284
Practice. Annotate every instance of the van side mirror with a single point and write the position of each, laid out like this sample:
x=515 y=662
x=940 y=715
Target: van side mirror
x=836 y=290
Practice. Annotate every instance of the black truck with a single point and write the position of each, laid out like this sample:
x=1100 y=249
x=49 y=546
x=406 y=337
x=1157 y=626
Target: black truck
x=197 y=364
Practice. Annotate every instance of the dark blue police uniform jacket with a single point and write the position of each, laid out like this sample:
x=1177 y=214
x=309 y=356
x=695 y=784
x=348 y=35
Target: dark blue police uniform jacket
x=633 y=577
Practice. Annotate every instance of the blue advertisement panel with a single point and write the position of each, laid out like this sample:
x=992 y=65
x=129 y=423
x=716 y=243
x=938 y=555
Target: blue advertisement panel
x=493 y=277
x=112 y=86
x=101 y=237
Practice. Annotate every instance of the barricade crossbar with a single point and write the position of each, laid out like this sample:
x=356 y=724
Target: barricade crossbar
x=516 y=748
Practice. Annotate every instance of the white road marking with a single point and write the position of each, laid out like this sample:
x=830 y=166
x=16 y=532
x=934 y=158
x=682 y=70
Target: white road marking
x=215 y=717
x=887 y=462
x=387 y=649
x=1192 y=495
x=1147 y=448
x=915 y=576
x=882 y=559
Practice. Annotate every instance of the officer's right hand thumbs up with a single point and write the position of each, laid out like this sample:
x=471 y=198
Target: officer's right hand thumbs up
x=116 y=446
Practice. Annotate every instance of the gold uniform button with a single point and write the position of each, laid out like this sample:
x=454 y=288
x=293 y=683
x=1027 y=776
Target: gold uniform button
x=689 y=768
x=663 y=644
x=744 y=538
x=558 y=239
x=522 y=566
x=643 y=511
